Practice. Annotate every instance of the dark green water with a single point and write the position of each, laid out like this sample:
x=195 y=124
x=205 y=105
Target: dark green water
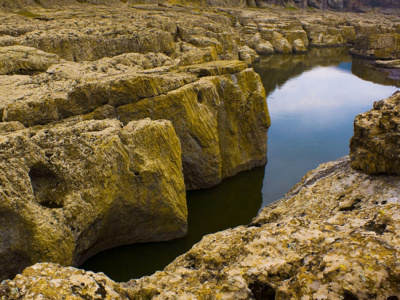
x=313 y=99
x=234 y=202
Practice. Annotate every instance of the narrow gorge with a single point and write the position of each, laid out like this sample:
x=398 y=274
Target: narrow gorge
x=112 y=110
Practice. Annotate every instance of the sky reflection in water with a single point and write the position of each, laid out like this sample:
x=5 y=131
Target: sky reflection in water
x=312 y=122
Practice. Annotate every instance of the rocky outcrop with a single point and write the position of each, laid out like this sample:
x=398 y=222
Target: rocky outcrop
x=374 y=148
x=50 y=281
x=336 y=5
x=83 y=169
x=204 y=103
x=378 y=46
x=71 y=189
x=25 y=60
x=185 y=36
x=329 y=238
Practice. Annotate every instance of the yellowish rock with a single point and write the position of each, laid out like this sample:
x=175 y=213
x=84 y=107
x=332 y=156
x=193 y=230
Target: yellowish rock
x=72 y=189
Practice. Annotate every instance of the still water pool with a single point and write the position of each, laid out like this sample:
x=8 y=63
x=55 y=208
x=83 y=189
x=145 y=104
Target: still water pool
x=313 y=99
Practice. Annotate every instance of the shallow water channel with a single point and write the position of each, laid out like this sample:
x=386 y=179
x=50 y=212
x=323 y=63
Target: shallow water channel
x=313 y=99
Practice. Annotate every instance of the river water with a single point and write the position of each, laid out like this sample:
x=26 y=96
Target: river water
x=313 y=99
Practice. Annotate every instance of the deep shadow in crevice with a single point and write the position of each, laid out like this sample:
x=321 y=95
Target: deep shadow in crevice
x=44 y=184
x=349 y=296
x=262 y=291
x=379 y=228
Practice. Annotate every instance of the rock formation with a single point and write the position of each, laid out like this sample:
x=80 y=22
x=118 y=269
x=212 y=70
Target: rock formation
x=378 y=46
x=108 y=114
x=330 y=237
x=202 y=101
x=82 y=168
x=69 y=190
x=374 y=148
x=50 y=281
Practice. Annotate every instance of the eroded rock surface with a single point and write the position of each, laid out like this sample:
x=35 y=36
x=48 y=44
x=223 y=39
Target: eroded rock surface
x=82 y=170
x=374 y=148
x=333 y=236
x=50 y=281
x=204 y=103
x=378 y=46
x=25 y=60
x=88 y=32
x=71 y=189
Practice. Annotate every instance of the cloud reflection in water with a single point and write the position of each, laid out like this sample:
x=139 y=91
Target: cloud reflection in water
x=312 y=122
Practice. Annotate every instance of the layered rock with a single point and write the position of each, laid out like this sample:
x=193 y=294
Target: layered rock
x=25 y=60
x=378 y=46
x=204 y=102
x=184 y=35
x=71 y=189
x=331 y=237
x=374 y=148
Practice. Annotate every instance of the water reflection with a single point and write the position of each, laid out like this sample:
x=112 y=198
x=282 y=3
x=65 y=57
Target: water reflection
x=275 y=70
x=371 y=71
x=312 y=116
x=234 y=202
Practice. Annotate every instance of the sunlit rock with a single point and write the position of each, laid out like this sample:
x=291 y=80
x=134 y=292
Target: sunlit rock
x=25 y=60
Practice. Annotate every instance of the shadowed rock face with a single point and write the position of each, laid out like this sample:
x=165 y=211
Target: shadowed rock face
x=72 y=189
x=374 y=148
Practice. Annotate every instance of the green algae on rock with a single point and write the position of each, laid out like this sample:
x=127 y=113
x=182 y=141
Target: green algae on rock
x=70 y=190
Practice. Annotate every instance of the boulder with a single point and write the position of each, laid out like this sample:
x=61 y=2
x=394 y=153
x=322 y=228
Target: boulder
x=281 y=45
x=264 y=48
x=298 y=46
x=248 y=55
x=72 y=189
x=375 y=146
